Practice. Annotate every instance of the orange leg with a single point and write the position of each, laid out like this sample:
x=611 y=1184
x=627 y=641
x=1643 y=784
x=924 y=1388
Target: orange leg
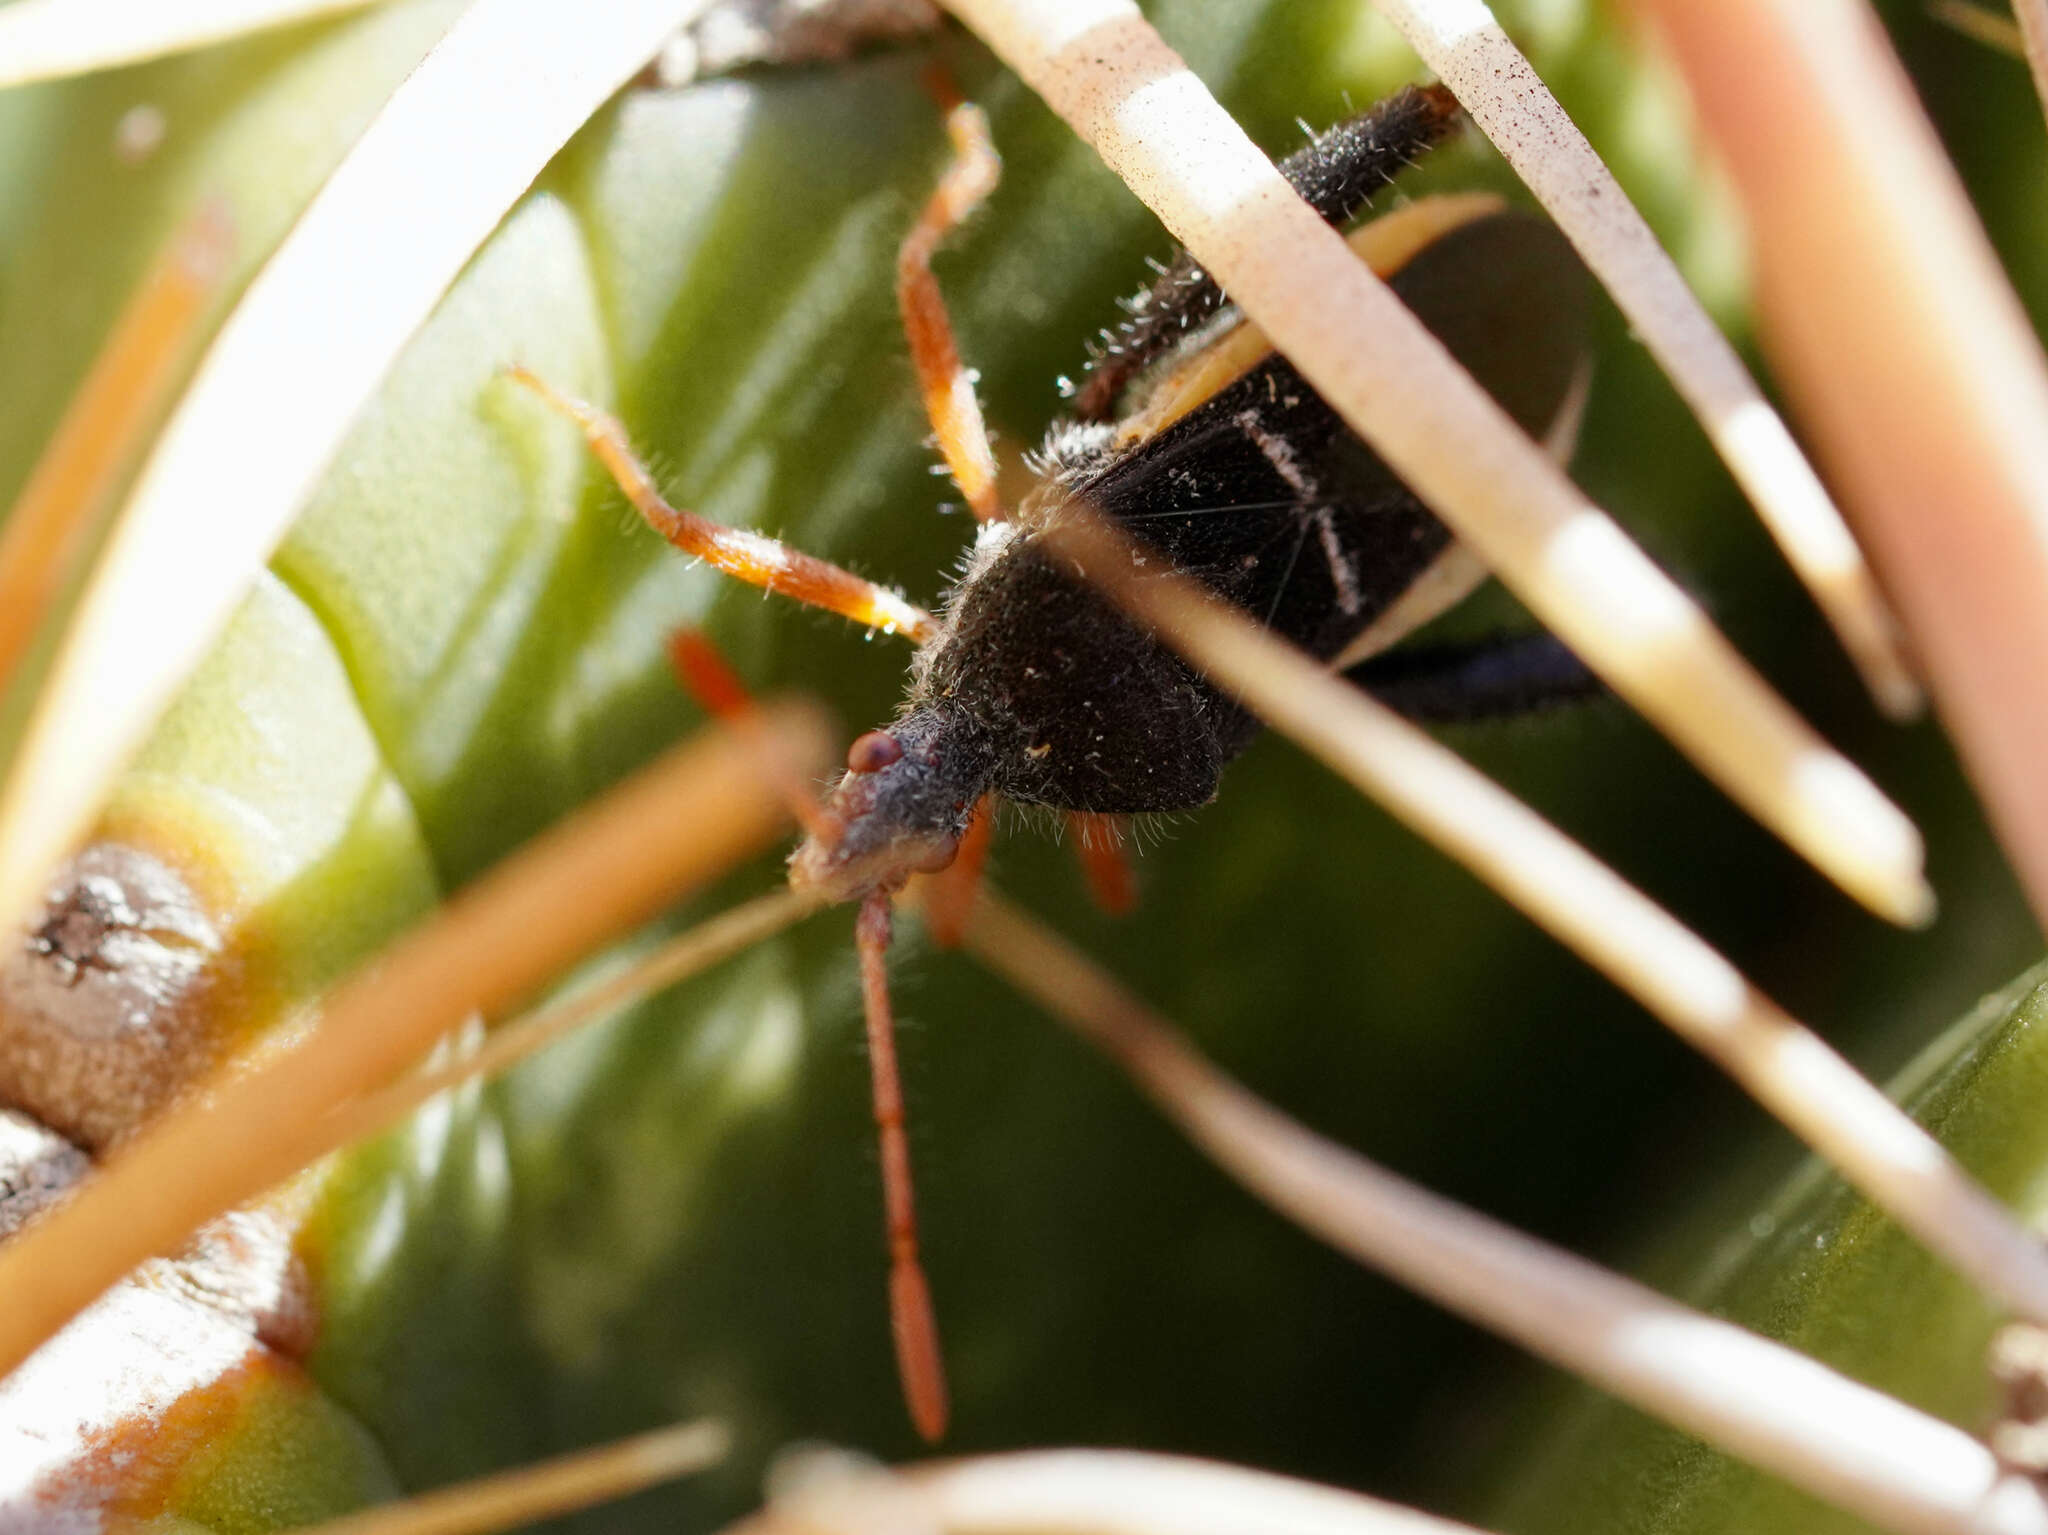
x=751 y=557
x=947 y=388
x=709 y=678
x=963 y=439
x=919 y=1364
x=1099 y=844
x=949 y=894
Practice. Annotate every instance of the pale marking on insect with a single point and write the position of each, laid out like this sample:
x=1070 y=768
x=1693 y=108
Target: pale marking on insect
x=1280 y=454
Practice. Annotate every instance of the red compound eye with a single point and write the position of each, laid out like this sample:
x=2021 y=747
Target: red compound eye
x=873 y=752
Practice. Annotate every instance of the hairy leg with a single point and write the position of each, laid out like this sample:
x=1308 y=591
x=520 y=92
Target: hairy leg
x=738 y=552
x=942 y=378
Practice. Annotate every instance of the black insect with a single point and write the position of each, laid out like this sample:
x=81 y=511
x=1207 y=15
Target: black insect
x=1209 y=450
x=1206 y=446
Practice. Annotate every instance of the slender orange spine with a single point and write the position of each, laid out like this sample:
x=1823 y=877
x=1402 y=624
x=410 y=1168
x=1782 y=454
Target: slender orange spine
x=123 y=393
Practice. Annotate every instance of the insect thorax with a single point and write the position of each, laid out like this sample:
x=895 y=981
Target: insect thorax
x=1040 y=690
x=1263 y=497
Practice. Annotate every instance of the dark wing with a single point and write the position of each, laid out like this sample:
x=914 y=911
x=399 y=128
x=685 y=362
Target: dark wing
x=1338 y=171
x=1268 y=498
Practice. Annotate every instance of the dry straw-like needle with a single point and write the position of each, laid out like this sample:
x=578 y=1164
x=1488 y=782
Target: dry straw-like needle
x=530 y=1494
x=1836 y=1439
x=2032 y=17
x=1083 y=1492
x=1102 y=67
x=1464 y=44
x=707 y=944
x=1907 y=356
x=1982 y=24
x=126 y=389
x=671 y=828
x=358 y=273
x=1579 y=900
x=48 y=39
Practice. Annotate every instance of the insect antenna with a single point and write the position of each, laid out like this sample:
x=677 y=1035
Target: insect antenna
x=920 y=1364
x=709 y=678
x=919 y=1361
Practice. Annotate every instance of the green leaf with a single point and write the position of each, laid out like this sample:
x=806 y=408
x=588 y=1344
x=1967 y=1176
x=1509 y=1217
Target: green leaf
x=1816 y=1267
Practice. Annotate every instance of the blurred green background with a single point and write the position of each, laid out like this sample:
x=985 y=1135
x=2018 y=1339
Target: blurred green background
x=678 y=1214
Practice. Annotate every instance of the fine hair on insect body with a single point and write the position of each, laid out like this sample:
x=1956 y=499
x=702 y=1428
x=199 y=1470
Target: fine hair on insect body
x=688 y=1221
x=1192 y=435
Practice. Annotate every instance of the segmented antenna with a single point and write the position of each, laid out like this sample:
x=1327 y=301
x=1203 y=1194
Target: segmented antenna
x=920 y=1364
